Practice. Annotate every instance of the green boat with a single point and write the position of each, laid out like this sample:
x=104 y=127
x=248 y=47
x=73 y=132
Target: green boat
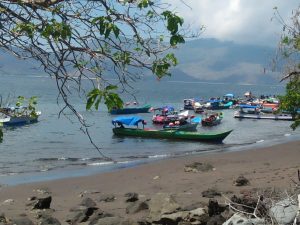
x=164 y=134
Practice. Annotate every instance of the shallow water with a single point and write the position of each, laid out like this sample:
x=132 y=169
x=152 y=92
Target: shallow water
x=56 y=147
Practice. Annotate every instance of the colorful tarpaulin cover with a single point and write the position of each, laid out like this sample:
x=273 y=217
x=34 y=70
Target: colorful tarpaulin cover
x=249 y=106
x=130 y=121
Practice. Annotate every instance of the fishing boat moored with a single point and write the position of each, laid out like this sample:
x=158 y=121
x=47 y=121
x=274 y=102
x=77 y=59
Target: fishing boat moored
x=120 y=130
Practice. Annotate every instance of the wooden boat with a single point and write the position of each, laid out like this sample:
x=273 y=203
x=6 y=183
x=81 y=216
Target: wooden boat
x=198 y=108
x=171 y=134
x=212 y=120
x=188 y=103
x=4 y=120
x=184 y=127
x=18 y=116
x=260 y=115
x=254 y=112
x=131 y=110
x=168 y=115
x=163 y=134
x=218 y=104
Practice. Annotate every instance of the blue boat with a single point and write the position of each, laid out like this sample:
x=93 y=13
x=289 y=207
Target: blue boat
x=218 y=104
x=17 y=116
x=131 y=110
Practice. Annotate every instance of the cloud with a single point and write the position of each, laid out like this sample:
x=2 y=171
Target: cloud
x=241 y=21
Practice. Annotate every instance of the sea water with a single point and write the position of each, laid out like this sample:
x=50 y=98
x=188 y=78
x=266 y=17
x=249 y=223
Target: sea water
x=56 y=146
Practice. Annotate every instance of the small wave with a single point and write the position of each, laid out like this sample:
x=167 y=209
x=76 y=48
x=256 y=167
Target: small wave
x=260 y=141
x=134 y=157
x=157 y=156
x=100 y=163
x=286 y=135
x=123 y=162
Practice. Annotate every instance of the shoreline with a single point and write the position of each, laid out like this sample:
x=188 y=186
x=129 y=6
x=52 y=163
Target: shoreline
x=107 y=167
x=268 y=167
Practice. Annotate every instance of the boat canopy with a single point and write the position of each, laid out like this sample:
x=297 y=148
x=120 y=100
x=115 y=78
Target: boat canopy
x=165 y=108
x=248 y=106
x=229 y=95
x=130 y=121
x=196 y=120
x=228 y=104
x=214 y=101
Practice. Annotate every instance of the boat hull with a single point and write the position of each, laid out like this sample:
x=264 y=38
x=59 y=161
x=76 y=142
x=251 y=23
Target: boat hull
x=211 y=123
x=180 y=135
x=130 y=111
x=21 y=120
x=185 y=127
x=263 y=116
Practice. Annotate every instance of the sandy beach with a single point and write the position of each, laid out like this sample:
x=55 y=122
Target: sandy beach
x=270 y=167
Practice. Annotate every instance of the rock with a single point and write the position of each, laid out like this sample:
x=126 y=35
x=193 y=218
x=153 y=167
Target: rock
x=173 y=218
x=238 y=219
x=216 y=220
x=198 y=216
x=80 y=214
x=284 y=212
x=210 y=193
x=106 y=198
x=45 y=213
x=108 y=221
x=43 y=203
x=7 y=202
x=97 y=215
x=214 y=208
x=131 y=197
x=131 y=222
x=193 y=206
x=161 y=203
x=198 y=167
x=33 y=198
x=2 y=217
x=49 y=221
x=136 y=207
x=22 y=220
x=88 y=202
x=241 y=181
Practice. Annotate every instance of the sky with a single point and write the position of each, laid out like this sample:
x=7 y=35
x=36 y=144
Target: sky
x=240 y=21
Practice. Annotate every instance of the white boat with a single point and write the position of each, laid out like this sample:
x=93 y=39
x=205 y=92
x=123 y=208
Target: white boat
x=13 y=117
x=4 y=120
x=260 y=115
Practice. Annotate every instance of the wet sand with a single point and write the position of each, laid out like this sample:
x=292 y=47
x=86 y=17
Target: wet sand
x=270 y=167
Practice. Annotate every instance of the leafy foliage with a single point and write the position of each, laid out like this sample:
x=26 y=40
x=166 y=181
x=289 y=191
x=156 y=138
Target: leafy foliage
x=28 y=106
x=291 y=100
x=95 y=40
x=111 y=99
x=290 y=52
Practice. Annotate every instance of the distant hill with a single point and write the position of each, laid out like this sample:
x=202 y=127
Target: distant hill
x=215 y=61
x=10 y=65
x=207 y=60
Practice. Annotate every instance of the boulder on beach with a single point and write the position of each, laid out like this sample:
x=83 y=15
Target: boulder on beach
x=198 y=167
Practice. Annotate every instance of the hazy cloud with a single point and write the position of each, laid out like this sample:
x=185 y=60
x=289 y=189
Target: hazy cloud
x=242 y=21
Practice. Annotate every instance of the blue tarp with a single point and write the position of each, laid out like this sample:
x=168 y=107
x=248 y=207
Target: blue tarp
x=196 y=120
x=228 y=104
x=214 y=101
x=130 y=121
x=249 y=106
x=165 y=108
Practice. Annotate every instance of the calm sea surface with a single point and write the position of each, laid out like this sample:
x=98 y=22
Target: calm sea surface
x=56 y=147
